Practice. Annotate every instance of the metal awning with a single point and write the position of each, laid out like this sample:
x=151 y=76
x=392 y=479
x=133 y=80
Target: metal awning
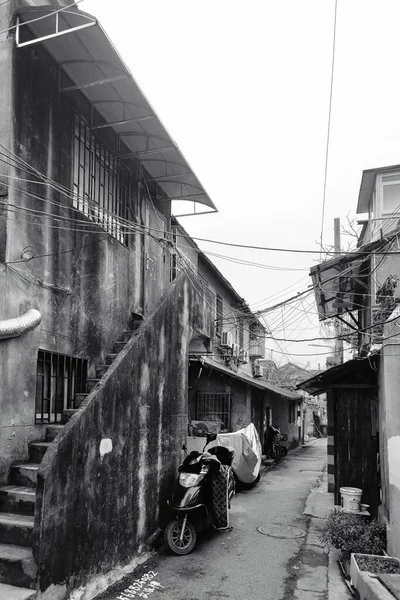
x=90 y=64
x=337 y=285
x=359 y=373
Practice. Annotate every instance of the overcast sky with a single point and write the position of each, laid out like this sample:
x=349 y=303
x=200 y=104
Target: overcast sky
x=243 y=88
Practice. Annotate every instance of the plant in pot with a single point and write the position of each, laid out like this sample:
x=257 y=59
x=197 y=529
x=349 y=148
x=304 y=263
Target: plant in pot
x=371 y=564
x=350 y=534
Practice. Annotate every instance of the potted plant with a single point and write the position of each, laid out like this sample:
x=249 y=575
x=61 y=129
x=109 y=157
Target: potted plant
x=373 y=564
x=350 y=533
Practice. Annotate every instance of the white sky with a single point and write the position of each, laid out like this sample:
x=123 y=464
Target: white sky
x=243 y=88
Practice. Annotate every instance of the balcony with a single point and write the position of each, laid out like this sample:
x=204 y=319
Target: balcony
x=257 y=348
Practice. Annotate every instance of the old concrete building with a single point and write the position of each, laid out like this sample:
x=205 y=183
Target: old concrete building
x=102 y=306
x=226 y=383
x=93 y=332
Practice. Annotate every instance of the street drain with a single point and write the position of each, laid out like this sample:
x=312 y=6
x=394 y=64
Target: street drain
x=281 y=531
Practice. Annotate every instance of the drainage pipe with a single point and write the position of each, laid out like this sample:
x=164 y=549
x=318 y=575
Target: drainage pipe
x=10 y=328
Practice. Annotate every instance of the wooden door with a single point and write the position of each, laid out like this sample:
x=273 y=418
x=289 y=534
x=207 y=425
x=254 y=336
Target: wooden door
x=356 y=443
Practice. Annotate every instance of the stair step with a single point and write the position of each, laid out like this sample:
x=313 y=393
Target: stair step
x=101 y=369
x=110 y=358
x=68 y=413
x=24 y=474
x=128 y=334
x=91 y=383
x=16 y=529
x=80 y=398
x=119 y=345
x=52 y=432
x=10 y=592
x=17 y=566
x=17 y=499
x=37 y=450
x=135 y=321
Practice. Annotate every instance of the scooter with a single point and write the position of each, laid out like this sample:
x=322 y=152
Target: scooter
x=200 y=498
x=274 y=449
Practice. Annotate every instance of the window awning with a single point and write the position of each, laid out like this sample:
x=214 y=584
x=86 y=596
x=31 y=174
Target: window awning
x=83 y=50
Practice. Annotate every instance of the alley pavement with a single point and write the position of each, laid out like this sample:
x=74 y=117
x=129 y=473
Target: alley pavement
x=271 y=552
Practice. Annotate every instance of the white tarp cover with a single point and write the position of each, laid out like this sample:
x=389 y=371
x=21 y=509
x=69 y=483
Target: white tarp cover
x=248 y=452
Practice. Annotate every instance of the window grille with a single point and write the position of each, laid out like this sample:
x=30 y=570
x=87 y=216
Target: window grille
x=102 y=183
x=59 y=377
x=214 y=407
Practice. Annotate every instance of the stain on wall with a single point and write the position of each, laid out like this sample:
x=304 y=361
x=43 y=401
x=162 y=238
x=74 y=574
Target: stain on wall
x=84 y=282
x=93 y=512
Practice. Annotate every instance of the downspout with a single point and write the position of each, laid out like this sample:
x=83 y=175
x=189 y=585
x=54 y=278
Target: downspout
x=10 y=328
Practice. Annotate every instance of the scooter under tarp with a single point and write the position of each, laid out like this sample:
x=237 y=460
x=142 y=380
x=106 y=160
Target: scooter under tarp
x=220 y=497
x=247 y=452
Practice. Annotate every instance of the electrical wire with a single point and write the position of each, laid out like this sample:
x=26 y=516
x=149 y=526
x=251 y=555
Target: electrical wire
x=329 y=126
x=270 y=308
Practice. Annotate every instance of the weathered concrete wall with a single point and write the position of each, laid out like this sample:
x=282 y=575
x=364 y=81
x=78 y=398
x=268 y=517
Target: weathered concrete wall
x=84 y=282
x=389 y=432
x=103 y=485
x=241 y=407
x=231 y=303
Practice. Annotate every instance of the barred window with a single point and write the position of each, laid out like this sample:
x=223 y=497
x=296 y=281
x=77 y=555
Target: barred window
x=102 y=183
x=214 y=407
x=58 y=379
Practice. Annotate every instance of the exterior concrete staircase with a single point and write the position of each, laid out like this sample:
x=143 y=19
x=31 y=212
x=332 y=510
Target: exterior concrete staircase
x=17 y=499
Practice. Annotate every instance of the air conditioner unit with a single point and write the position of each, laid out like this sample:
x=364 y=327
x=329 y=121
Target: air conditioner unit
x=257 y=371
x=243 y=356
x=226 y=339
x=235 y=349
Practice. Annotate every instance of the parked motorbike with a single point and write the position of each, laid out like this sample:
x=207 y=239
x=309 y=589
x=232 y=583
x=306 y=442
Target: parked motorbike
x=201 y=497
x=247 y=456
x=273 y=447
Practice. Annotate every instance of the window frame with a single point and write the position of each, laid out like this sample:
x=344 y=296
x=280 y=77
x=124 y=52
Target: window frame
x=59 y=377
x=102 y=184
x=220 y=405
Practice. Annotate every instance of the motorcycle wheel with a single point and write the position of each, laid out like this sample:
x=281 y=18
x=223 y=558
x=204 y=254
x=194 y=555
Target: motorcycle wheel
x=284 y=450
x=172 y=537
x=274 y=453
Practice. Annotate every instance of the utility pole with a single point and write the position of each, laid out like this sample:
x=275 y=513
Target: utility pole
x=339 y=329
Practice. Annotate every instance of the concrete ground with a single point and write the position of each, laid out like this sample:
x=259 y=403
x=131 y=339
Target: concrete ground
x=286 y=561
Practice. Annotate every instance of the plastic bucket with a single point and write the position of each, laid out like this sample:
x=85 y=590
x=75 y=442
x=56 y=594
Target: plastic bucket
x=351 y=498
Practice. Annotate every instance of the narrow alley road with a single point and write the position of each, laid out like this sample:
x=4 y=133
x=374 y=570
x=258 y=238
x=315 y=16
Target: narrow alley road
x=243 y=562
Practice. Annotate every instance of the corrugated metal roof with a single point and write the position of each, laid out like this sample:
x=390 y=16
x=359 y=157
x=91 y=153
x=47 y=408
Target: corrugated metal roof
x=257 y=383
x=361 y=368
